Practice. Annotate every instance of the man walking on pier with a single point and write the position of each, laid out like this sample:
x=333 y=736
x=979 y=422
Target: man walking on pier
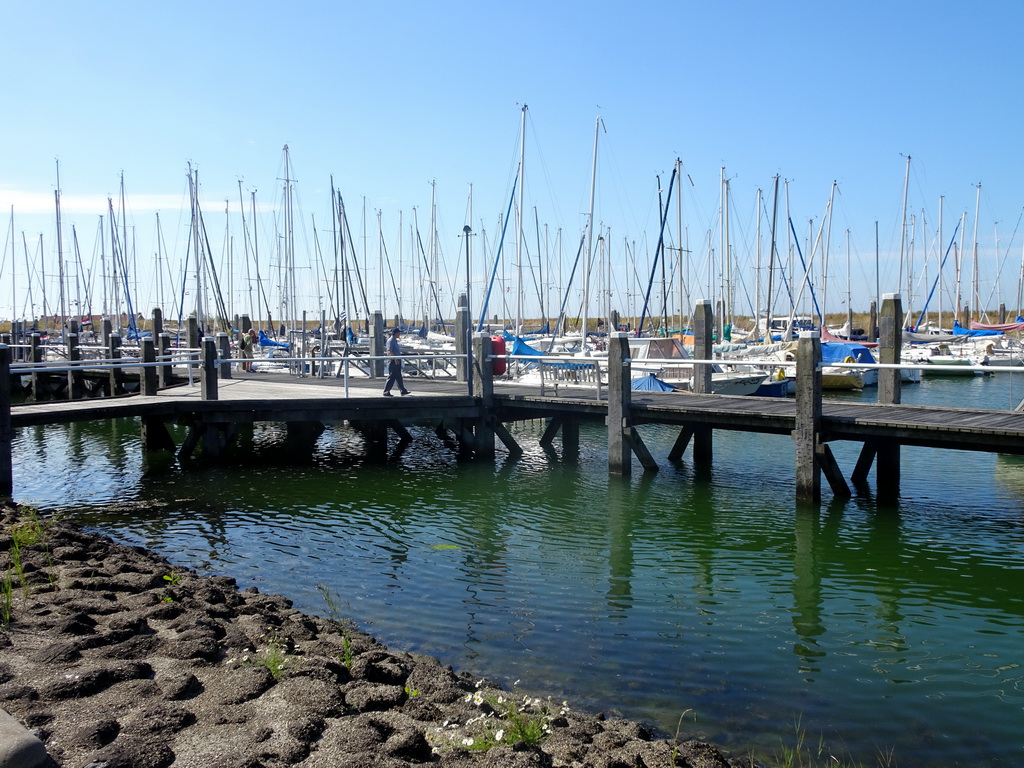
x=394 y=351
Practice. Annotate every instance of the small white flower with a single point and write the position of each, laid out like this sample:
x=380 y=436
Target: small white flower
x=468 y=741
x=499 y=735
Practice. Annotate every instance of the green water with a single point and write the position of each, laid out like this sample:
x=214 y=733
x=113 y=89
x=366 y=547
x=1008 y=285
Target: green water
x=884 y=631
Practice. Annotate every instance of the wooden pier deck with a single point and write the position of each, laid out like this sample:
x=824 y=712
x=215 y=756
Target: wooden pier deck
x=218 y=409
x=279 y=397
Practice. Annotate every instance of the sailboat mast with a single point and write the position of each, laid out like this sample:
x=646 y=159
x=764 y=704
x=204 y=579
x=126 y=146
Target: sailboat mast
x=679 y=235
x=289 y=246
x=757 y=263
x=124 y=258
x=28 y=276
x=828 y=243
x=518 y=327
x=245 y=252
x=903 y=227
x=380 y=267
x=103 y=266
x=974 y=260
x=60 y=253
x=771 y=262
x=726 y=260
x=337 y=300
x=115 y=289
x=435 y=270
x=939 y=255
x=42 y=276
x=159 y=270
x=540 y=269
x=607 y=251
x=849 y=291
x=78 y=274
x=14 y=286
x=467 y=230
x=590 y=233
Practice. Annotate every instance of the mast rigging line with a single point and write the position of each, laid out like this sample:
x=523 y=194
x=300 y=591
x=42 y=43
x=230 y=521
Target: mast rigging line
x=924 y=310
x=118 y=254
x=565 y=299
x=657 y=251
x=497 y=256
x=1002 y=261
x=430 y=277
x=807 y=273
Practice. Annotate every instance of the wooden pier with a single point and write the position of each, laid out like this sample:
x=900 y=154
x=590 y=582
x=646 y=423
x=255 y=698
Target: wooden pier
x=473 y=415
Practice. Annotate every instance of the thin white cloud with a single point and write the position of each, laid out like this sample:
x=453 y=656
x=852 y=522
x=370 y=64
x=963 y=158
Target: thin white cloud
x=29 y=203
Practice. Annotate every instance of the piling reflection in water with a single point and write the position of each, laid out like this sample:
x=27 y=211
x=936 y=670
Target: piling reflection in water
x=686 y=590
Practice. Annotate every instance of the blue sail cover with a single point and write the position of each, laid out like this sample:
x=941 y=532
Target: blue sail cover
x=651 y=383
x=266 y=341
x=959 y=330
x=838 y=351
x=520 y=347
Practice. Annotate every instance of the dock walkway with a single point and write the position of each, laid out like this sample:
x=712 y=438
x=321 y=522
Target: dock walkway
x=473 y=416
x=274 y=396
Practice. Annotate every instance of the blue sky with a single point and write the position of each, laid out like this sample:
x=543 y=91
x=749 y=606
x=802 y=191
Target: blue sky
x=390 y=96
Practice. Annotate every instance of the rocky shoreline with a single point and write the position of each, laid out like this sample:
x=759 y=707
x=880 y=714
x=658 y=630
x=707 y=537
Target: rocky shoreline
x=114 y=658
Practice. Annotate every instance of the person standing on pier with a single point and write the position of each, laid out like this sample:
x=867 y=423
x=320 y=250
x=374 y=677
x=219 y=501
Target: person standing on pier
x=394 y=351
x=247 y=346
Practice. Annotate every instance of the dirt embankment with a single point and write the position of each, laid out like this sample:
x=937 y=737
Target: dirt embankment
x=115 y=658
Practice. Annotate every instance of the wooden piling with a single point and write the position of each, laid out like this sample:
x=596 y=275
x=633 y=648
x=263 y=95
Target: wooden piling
x=813 y=456
x=224 y=353
x=808 y=416
x=164 y=374
x=623 y=438
x=488 y=426
x=619 y=392
x=148 y=376
x=703 y=329
x=75 y=373
x=482 y=386
x=890 y=348
x=6 y=430
x=377 y=344
x=193 y=332
x=887 y=457
x=116 y=378
x=36 y=356
x=208 y=373
x=463 y=372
